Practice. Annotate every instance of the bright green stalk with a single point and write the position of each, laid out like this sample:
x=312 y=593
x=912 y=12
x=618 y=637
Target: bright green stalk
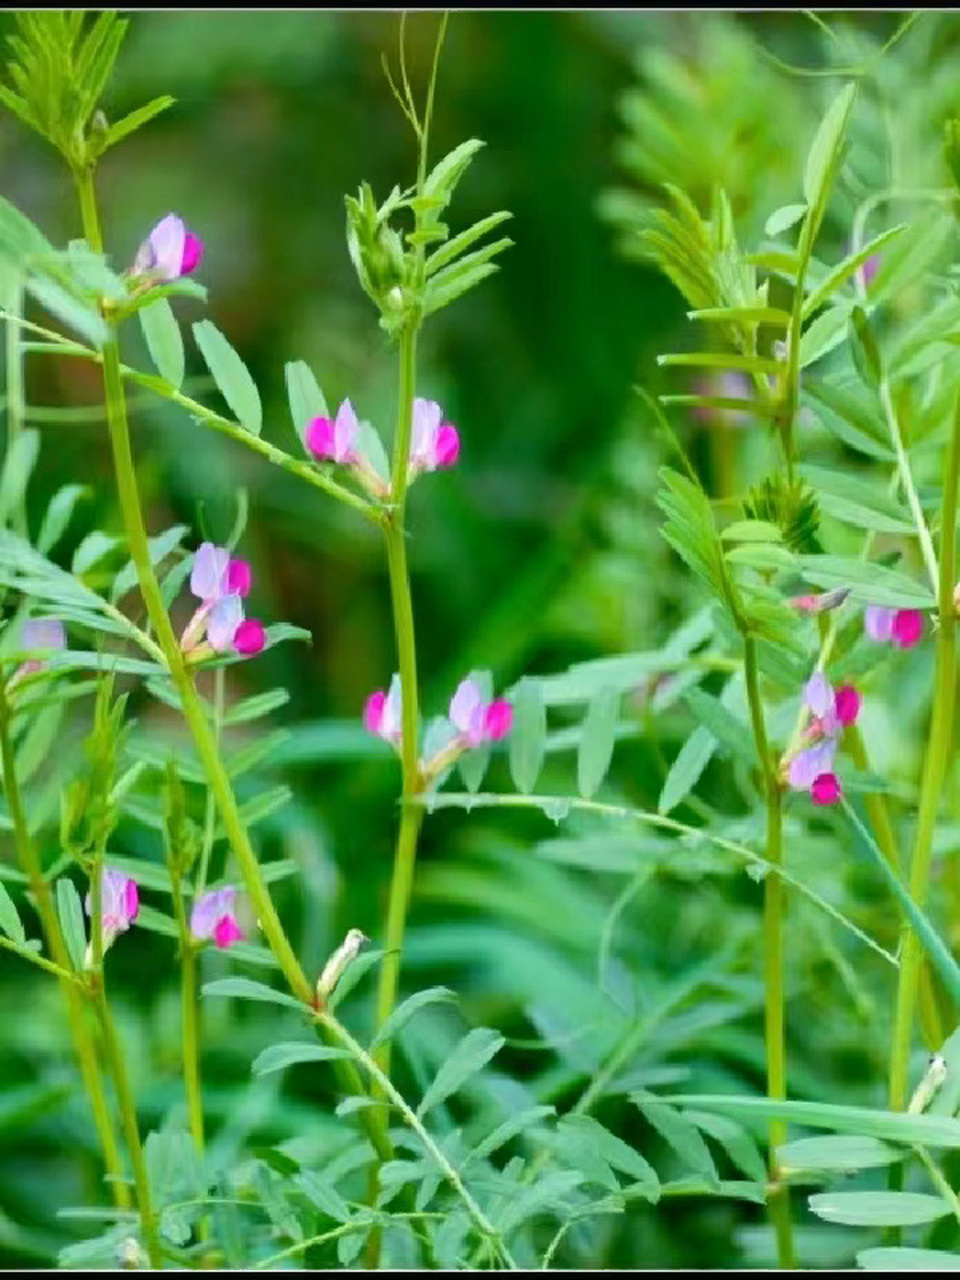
x=211 y=810
x=15 y=400
x=203 y=737
x=128 y=1114
x=83 y=1041
x=773 y=904
x=188 y=990
x=934 y=770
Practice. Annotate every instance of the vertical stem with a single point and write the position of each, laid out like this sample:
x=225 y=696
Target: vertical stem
x=82 y=1039
x=934 y=771
x=410 y=816
x=15 y=398
x=773 y=905
x=211 y=810
x=188 y=989
x=203 y=737
x=128 y=1114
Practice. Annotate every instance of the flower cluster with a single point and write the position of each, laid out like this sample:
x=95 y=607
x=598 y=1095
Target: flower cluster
x=169 y=251
x=214 y=915
x=119 y=906
x=474 y=720
x=902 y=627
x=433 y=443
x=220 y=582
x=811 y=769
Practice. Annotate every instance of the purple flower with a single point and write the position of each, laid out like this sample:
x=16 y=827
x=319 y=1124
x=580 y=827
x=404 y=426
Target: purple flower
x=479 y=721
x=220 y=582
x=214 y=916
x=902 y=627
x=383 y=713
x=335 y=440
x=169 y=251
x=812 y=768
x=119 y=904
x=434 y=443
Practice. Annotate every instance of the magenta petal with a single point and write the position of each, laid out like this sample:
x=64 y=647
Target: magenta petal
x=132 y=900
x=373 y=711
x=825 y=789
x=227 y=931
x=192 y=253
x=319 y=438
x=208 y=910
x=847 y=704
x=498 y=720
x=907 y=628
x=250 y=637
x=447 y=449
x=239 y=577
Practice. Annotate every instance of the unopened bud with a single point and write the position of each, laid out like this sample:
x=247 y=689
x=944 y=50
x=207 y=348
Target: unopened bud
x=956 y=598
x=928 y=1086
x=395 y=298
x=333 y=969
x=130 y=1255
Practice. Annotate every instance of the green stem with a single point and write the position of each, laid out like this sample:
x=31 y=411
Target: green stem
x=211 y=810
x=87 y=1059
x=934 y=770
x=203 y=737
x=410 y=817
x=773 y=906
x=128 y=1115
x=15 y=401
x=188 y=990
x=906 y=478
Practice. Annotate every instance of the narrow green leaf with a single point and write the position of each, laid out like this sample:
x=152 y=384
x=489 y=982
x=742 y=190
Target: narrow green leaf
x=783 y=219
x=17 y=469
x=230 y=374
x=164 y=340
x=160 y=546
x=134 y=120
x=455 y=247
x=735 y=1140
x=751 y=531
x=679 y=1133
x=70 y=912
x=878 y=1208
x=304 y=395
x=726 y=728
x=247 y=989
x=69 y=310
x=823 y=155
x=255 y=707
x=57 y=516
x=824 y=334
x=279 y=1056
x=863 y=344
x=506 y=1131
x=93 y=548
x=868 y=583
x=686 y=770
x=10 y=921
x=840 y=1153
x=596 y=742
x=903 y=1258
x=465 y=1059
x=405 y=1011
x=528 y=736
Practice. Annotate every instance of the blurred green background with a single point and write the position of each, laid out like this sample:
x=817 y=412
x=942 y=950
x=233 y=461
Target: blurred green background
x=540 y=548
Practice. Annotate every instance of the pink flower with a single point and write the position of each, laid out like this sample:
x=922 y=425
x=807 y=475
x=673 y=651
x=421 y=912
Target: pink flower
x=434 y=443
x=214 y=916
x=334 y=440
x=825 y=789
x=169 y=251
x=904 y=627
x=119 y=904
x=383 y=713
x=479 y=721
x=812 y=768
x=220 y=582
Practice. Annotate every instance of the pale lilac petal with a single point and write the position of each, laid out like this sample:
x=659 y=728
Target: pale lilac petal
x=345 y=430
x=391 y=722
x=465 y=703
x=224 y=619
x=166 y=247
x=878 y=622
x=426 y=424
x=809 y=764
x=819 y=695
x=210 y=908
x=209 y=567
x=43 y=633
